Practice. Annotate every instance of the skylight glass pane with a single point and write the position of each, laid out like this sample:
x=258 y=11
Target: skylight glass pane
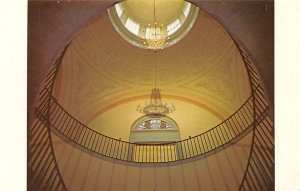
x=119 y=9
x=173 y=27
x=187 y=9
x=132 y=26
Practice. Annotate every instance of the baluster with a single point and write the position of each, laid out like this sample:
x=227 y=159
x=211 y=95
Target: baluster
x=185 y=155
x=45 y=172
x=255 y=176
x=192 y=146
x=61 y=125
x=172 y=152
x=245 y=116
x=97 y=141
x=250 y=109
x=209 y=146
x=92 y=140
x=250 y=177
x=105 y=147
x=38 y=138
x=147 y=154
x=160 y=155
x=35 y=128
x=200 y=144
x=223 y=140
x=196 y=146
x=59 y=117
x=126 y=151
x=142 y=152
x=265 y=138
x=179 y=150
x=138 y=154
x=249 y=185
x=55 y=116
x=211 y=140
x=226 y=129
x=261 y=168
x=131 y=151
x=39 y=159
x=118 y=142
x=216 y=138
x=53 y=182
x=267 y=153
x=71 y=127
x=153 y=153
x=78 y=133
x=112 y=148
x=49 y=180
x=100 y=144
x=188 y=147
x=264 y=155
x=203 y=141
x=67 y=125
x=110 y=144
x=224 y=132
x=39 y=150
x=53 y=107
x=156 y=154
x=85 y=138
x=238 y=123
x=233 y=127
x=39 y=142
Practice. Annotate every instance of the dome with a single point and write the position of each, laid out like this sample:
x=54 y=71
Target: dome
x=153 y=24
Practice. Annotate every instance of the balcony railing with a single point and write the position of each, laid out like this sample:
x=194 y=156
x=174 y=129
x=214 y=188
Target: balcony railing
x=259 y=173
x=42 y=169
x=69 y=128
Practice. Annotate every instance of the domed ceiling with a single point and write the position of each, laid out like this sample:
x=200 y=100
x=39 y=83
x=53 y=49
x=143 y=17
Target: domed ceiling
x=103 y=78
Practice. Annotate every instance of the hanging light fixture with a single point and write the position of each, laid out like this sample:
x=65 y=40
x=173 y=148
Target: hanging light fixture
x=155 y=106
x=156 y=36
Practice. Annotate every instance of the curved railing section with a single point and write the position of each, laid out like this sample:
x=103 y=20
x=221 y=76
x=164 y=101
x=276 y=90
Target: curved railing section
x=66 y=126
x=42 y=169
x=259 y=173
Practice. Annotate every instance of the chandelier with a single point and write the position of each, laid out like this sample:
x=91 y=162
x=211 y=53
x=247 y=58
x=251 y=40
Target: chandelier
x=155 y=35
x=155 y=106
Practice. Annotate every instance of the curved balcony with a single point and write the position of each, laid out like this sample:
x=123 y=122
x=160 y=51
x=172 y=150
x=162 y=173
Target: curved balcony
x=74 y=132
